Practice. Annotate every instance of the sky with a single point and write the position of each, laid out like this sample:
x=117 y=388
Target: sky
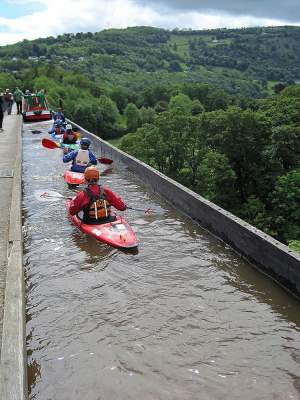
x=31 y=19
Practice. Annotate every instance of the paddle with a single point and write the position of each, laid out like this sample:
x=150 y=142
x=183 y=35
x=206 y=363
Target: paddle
x=104 y=160
x=51 y=144
x=51 y=195
x=146 y=210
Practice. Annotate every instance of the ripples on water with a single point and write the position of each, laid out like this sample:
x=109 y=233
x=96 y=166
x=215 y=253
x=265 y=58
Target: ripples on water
x=182 y=318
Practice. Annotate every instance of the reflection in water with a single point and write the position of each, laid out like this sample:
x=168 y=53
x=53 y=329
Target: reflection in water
x=183 y=317
x=96 y=252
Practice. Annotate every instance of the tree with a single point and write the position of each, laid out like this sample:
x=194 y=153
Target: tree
x=254 y=212
x=175 y=66
x=279 y=87
x=120 y=96
x=148 y=145
x=291 y=91
x=295 y=245
x=152 y=95
x=210 y=97
x=131 y=143
x=107 y=118
x=133 y=118
x=180 y=103
x=286 y=146
x=282 y=109
x=97 y=90
x=7 y=81
x=242 y=136
x=286 y=211
x=147 y=115
x=196 y=107
x=77 y=80
x=161 y=106
x=84 y=115
x=215 y=180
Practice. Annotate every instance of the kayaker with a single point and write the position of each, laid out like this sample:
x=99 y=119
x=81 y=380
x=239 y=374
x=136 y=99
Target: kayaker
x=57 y=129
x=70 y=137
x=93 y=205
x=81 y=158
x=59 y=115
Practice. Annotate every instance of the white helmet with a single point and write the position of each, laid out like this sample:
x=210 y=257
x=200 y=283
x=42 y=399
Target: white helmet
x=69 y=127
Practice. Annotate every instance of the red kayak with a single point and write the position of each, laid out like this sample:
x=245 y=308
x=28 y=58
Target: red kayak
x=74 y=178
x=117 y=233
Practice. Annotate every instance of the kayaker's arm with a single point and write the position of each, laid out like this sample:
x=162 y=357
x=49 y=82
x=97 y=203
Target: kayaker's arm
x=78 y=203
x=93 y=159
x=115 y=200
x=70 y=156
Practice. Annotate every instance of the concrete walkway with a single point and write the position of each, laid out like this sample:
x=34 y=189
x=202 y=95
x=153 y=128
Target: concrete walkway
x=13 y=380
x=8 y=151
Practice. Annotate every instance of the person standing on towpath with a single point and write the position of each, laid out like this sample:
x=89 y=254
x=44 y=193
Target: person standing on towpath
x=42 y=99
x=1 y=111
x=18 y=95
x=9 y=99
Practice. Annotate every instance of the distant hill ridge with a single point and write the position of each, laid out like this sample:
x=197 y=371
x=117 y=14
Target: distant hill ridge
x=247 y=60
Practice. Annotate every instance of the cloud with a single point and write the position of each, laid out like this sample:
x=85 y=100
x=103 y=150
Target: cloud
x=62 y=16
x=288 y=10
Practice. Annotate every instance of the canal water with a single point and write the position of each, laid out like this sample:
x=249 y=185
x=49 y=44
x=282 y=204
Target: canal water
x=183 y=317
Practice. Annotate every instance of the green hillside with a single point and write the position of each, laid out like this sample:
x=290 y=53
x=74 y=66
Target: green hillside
x=241 y=61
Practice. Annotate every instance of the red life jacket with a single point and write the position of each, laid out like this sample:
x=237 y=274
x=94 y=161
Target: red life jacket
x=66 y=139
x=98 y=209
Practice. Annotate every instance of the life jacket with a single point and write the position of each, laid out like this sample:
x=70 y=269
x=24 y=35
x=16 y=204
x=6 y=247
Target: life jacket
x=98 y=209
x=66 y=139
x=83 y=158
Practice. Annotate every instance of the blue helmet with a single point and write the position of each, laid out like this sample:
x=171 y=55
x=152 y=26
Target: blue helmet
x=85 y=142
x=58 y=122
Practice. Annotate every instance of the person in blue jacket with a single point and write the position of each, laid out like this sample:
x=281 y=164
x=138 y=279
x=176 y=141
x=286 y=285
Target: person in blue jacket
x=82 y=158
x=59 y=115
x=57 y=129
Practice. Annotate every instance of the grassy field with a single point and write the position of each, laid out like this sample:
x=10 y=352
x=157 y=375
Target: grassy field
x=270 y=86
x=215 y=43
x=182 y=44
